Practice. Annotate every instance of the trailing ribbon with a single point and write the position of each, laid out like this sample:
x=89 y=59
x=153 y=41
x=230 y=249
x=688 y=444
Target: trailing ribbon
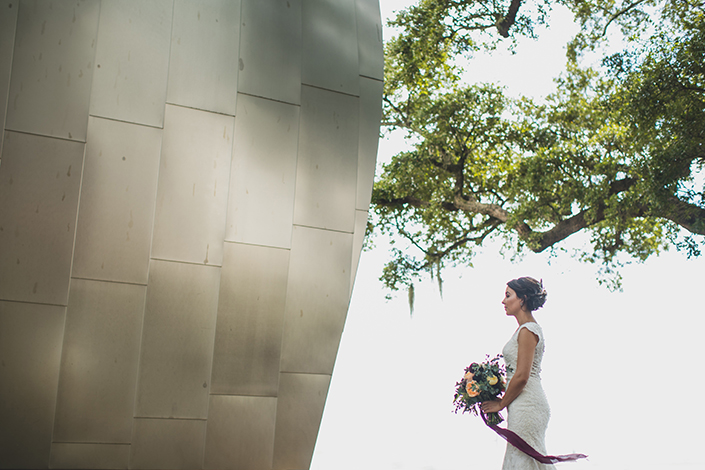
x=522 y=445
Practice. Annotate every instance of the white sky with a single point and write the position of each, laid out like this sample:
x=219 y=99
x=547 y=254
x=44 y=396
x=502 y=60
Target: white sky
x=622 y=371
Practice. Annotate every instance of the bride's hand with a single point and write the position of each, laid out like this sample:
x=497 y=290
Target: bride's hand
x=492 y=406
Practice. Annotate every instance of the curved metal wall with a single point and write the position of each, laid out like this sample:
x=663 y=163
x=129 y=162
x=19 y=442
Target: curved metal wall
x=183 y=193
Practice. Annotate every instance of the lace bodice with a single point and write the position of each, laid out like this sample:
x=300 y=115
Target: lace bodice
x=529 y=413
x=511 y=351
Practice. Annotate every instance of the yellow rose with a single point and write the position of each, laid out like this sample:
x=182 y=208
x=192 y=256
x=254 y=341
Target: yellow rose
x=471 y=389
x=492 y=379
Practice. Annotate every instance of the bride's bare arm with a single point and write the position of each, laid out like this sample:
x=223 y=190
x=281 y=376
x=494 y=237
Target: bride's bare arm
x=527 y=345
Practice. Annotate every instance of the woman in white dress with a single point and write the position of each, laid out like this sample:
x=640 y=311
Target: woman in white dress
x=527 y=407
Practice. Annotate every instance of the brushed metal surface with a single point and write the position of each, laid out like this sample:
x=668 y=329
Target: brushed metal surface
x=329 y=45
x=116 y=211
x=370 y=43
x=8 y=23
x=250 y=320
x=192 y=195
x=30 y=352
x=168 y=444
x=240 y=433
x=317 y=299
x=90 y=456
x=205 y=80
x=263 y=176
x=40 y=179
x=132 y=61
x=326 y=176
x=270 y=49
x=99 y=362
x=370 y=116
x=177 y=340
x=358 y=242
x=52 y=68
x=299 y=411
x=234 y=363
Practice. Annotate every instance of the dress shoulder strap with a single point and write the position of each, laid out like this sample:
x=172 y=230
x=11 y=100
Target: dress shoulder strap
x=535 y=328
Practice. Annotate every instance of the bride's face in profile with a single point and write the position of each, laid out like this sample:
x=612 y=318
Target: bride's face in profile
x=512 y=303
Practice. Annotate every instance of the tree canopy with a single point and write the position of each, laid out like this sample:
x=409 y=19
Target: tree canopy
x=617 y=151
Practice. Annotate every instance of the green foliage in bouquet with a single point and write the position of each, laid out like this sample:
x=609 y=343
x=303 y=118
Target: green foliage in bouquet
x=482 y=382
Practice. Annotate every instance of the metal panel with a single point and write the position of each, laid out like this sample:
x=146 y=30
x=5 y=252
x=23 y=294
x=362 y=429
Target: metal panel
x=370 y=116
x=192 y=195
x=132 y=61
x=240 y=433
x=263 y=177
x=330 y=52
x=177 y=340
x=52 y=68
x=299 y=412
x=116 y=215
x=99 y=362
x=369 y=34
x=8 y=23
x=358 y=242
x=30 y=352
x=205 y=80
x=270 y=49
x=90 y=456
x=327 y=165
x=39 y=185
x=317 y=300
x=250 y=320
x=168 y=443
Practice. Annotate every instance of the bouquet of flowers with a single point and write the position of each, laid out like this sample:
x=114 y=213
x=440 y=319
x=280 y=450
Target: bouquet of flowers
x=481 y=382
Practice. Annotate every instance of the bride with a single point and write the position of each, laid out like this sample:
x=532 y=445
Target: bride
x=527 y=407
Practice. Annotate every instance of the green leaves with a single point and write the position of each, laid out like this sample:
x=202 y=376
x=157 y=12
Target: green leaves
x=612 y=152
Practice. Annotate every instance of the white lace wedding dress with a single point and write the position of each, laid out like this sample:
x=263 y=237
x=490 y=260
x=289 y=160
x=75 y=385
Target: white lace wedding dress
x=529 y=413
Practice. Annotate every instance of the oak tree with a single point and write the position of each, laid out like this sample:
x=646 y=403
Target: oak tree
x=617 y=151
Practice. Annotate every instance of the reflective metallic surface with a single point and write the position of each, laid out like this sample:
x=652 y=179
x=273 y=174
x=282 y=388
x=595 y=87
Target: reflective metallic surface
x=40 y=178
x=330 y=45
x=263 y=175
x=312 y=328
x=52 y=68
x=30 y=353
x=192 y=195
x=184 y=189
x=114 y=231
x=250 y=320
x=240 y=432
x=370 y=114
x=167 y=443
x=93 y=456
x=99 y=362
x=326 y=173
x=8 y=20
x=299 y=410
x=177 y=341
x=270 y=50
x=205 y=80
x=129 y=80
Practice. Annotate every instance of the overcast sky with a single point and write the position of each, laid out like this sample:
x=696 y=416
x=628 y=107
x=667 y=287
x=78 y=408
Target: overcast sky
x=621 y=370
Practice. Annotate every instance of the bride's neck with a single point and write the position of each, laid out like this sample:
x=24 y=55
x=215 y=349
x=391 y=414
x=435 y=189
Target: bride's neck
x=525 y=317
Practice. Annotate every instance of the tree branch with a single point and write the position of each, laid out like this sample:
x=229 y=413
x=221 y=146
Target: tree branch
x=471 y=204
x=620 y=13
x=508 y=21
x=688 y=216
x=410 y=200
x=579 y=221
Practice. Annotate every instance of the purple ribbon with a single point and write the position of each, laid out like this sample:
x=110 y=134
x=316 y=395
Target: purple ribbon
x=522 y=445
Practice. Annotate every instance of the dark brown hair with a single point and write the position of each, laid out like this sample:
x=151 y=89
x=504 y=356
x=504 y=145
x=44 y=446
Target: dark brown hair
x=530 y=291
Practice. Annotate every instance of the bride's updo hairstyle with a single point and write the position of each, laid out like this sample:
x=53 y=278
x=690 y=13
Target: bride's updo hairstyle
x=530 y=291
